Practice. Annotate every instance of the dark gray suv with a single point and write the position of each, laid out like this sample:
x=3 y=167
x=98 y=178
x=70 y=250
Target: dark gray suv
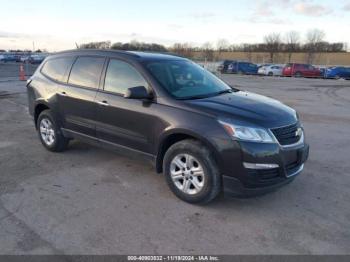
x=205 y=136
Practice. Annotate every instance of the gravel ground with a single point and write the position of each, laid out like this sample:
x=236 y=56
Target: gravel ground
x=91 y=201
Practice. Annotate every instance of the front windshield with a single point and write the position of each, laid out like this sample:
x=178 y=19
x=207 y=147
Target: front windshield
x=186 y=80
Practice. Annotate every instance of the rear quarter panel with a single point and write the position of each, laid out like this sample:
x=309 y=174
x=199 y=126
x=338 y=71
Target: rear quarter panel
x=41 y=90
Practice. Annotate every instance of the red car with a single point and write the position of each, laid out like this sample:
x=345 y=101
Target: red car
x=301 y=70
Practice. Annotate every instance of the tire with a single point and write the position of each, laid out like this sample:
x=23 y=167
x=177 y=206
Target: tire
x=195 y=156
x=298 y=74
x=240 y=72
x=49 y=132
x=270 y=74
x=337 y=77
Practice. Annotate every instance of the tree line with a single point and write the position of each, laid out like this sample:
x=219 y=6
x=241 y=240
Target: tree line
x=131 y=46
x=273 y=43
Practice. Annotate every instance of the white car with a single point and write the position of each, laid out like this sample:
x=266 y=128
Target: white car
x=271 y=70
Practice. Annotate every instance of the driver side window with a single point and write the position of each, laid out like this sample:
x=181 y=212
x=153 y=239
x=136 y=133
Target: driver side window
x=120 y=76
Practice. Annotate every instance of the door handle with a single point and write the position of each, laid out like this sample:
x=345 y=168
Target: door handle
x=103 y=103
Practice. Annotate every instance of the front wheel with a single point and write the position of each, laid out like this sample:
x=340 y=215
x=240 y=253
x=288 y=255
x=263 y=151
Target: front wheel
x=298 y=74
x=49 y=133
x=191 y=172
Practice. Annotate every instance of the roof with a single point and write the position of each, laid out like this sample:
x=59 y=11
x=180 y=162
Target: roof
x=128 y=54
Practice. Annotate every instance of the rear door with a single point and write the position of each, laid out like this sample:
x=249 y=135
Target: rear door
x=121 y=121
x=311 y=71
x=77 y=97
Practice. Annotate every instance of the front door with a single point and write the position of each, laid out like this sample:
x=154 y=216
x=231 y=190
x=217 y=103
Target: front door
x=121 y=121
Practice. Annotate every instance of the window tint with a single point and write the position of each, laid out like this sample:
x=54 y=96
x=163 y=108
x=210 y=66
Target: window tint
x=57 y=68
x=86 y=71
x=120 y=76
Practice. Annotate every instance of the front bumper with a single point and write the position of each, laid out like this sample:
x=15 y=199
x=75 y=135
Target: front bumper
x=282 y=166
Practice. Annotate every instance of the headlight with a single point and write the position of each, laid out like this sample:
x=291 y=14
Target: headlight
x=247 y=133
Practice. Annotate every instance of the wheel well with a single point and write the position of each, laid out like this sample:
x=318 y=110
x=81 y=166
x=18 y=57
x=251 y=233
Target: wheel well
x=169 y=141
x=38 y=109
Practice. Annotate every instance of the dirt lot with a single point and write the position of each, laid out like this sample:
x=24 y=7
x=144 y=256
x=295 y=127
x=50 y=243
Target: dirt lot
x=91 y=201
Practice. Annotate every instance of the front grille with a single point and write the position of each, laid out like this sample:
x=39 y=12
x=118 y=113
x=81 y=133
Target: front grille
x=287 y=135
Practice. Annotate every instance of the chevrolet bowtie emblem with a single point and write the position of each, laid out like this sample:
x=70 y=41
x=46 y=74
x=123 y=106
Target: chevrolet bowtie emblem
x=298 y=132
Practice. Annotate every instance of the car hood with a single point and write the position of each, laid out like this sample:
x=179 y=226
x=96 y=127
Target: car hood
x=247 y=108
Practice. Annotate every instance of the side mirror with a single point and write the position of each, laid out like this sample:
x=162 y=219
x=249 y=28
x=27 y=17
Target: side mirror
x=137 y=92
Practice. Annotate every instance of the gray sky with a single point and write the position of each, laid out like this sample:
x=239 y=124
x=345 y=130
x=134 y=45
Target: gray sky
x=57 y=25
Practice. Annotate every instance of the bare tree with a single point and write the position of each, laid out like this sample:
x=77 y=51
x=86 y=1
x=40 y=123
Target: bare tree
x=96 y=45
x=222 y=45
x=139 y=46
x=208 y=51
x=292 y=39
x=314 y=42
x=183 y=49
x=273 y=42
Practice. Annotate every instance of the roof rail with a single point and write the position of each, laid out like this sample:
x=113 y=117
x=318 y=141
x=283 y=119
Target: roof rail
x=98 y=50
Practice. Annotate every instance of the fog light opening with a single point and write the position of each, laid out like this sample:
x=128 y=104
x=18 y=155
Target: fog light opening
x=260 y=166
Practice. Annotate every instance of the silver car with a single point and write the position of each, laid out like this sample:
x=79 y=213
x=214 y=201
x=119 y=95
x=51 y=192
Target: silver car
x=271 y=70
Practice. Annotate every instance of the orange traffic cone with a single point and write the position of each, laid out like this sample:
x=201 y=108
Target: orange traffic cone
x=22 y=75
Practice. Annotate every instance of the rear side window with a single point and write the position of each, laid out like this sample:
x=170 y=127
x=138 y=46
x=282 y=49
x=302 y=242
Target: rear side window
x=120 y=76
x=86 y=71
x=58 y=68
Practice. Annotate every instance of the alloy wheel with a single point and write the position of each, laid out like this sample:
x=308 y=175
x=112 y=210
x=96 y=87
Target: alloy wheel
x=187 y=174
x=47 y=131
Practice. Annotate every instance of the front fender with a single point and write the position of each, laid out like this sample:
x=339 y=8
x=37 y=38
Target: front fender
x=170 y=132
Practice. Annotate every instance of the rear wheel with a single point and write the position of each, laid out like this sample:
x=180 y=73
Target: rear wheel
x=270 y=74
x=191 y=173
x=337 y=77
x=49 y=133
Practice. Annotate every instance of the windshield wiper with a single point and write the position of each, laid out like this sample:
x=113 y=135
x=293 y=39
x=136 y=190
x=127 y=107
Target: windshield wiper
x=226 y=91
x=195 y=97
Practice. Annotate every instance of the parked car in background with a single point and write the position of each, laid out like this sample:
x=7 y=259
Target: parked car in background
x=271 y=70
x=301 y=70
x=337 y=72
x=223 y=66
x=9 y=58
x=25 y=58
x=18 y=58
x=246 y=68
x=36 y=59
x=261 y=65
